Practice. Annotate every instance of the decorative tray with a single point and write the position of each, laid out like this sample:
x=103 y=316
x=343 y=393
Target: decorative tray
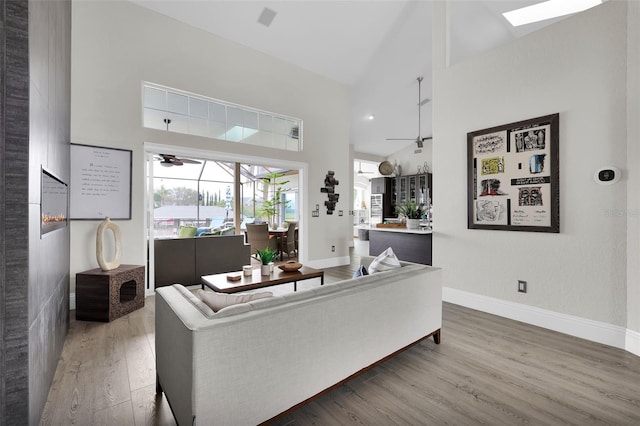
x=391 y=225
x=290 y=266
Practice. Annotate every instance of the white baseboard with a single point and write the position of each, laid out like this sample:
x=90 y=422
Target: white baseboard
x=594 y=331
x=633 y=342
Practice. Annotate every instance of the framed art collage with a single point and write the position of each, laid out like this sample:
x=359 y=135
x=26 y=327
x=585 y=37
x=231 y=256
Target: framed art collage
x=513 y=176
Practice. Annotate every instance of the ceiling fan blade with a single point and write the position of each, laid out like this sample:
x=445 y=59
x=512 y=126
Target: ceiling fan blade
x=170 y=159
x=189 y=161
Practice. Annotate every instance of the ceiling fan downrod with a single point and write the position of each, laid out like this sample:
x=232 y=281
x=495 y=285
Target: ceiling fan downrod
x=419 y=139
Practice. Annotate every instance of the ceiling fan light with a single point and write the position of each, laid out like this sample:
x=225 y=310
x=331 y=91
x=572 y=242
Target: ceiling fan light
x=371 y=116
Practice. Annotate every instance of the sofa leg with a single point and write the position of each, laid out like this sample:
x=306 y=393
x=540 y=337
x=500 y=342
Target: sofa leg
x=158 y=385
x=436 y=337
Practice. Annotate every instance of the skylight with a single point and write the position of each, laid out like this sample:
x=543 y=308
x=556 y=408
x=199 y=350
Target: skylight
x=237 y=133
x=548 y=10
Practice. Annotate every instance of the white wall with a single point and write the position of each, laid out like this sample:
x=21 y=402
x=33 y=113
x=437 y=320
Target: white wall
x=633 y=178
x=118 y=45
x=409 y=159
x=576 y=67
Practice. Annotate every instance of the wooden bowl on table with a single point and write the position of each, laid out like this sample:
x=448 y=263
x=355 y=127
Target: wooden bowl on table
x=290 y=266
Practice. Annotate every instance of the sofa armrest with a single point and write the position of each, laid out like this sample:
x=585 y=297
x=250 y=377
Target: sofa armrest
x=174 y=351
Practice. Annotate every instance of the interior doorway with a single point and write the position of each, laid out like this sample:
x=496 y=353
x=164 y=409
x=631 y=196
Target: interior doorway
x=363 y=172
x=211 y=193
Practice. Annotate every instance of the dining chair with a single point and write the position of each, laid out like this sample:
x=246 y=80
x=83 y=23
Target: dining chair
x=290 y=241
x=258 y=238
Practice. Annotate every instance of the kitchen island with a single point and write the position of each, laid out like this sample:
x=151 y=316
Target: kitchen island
x=411 y=245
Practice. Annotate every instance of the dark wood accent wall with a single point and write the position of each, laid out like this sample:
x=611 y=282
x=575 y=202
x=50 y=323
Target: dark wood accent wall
x=35 y=49
x=14 y=224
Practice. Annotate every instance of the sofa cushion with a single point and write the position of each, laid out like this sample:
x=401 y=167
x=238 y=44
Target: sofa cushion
x=384 y=261
x=187 y=231
x=217 y=301
x=199 y=304
x=360 y=272
x=200 y=230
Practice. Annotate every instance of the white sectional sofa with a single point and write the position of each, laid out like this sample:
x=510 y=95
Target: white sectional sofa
x=250 y=362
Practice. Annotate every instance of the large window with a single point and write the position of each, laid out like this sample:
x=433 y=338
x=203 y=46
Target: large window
x=176 y=111
x=201 y=193
x=191 y=195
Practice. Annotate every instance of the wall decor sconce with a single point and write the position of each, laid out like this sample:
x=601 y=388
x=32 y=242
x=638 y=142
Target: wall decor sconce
x=330 y=182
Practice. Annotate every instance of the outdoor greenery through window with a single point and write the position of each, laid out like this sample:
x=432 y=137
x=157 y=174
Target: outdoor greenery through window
x=181 y=112
x=201 y=195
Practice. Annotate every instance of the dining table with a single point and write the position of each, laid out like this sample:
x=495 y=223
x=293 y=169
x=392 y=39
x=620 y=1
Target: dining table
x=279 y=233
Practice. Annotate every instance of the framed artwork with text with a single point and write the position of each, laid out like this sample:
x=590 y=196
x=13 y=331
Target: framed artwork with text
x=100 y=182
x=513 y=176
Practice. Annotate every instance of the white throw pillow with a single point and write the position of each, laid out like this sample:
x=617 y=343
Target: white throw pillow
x=384 y=261
x=217 y=301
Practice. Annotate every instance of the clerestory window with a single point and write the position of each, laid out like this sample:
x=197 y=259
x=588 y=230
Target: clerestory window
x=176 y=111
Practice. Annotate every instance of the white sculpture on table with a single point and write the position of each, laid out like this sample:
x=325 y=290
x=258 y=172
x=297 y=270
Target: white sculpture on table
x=102 y=228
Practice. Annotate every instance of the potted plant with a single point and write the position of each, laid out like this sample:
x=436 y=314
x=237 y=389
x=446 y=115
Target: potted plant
x=412 y=212
x=272 y=206
x=266 y=257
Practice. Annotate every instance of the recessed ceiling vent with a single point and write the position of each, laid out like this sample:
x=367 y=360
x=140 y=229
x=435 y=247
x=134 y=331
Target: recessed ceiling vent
x=266 y=17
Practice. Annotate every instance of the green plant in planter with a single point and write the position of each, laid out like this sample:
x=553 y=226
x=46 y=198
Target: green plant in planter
x=272 y=206
x=266 y=256
x=410 y=210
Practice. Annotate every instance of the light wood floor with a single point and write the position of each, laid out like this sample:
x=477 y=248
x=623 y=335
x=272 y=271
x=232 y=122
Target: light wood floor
x=487 y=370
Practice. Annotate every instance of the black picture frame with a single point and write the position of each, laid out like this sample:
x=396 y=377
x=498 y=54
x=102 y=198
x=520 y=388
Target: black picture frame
x=101 y=182
x=514 y=176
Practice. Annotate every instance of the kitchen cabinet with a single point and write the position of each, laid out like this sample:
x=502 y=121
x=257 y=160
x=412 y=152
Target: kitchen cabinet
x=413 y=188
x=381 y=185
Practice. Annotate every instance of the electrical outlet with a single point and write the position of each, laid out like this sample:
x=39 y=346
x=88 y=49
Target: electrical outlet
x=522 y=286
x=333 y=248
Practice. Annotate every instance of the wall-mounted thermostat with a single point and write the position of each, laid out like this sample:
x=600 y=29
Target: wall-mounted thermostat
x=607 y=175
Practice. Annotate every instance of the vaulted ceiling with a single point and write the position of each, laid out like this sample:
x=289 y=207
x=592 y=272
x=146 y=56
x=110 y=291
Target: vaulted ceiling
x=376 y=47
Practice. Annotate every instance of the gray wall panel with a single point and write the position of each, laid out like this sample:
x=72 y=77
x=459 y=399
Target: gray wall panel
x=49 y=144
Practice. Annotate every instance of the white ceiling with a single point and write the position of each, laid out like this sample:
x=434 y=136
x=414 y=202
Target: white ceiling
x=377 y=47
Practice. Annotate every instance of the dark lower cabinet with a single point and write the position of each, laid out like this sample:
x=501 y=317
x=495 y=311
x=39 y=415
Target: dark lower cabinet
x=185 y=260
x=407 y=246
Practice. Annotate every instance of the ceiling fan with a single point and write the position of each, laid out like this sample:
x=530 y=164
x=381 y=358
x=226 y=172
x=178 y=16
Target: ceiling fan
x=419 y=140
x=360 y=172
x=168 y=160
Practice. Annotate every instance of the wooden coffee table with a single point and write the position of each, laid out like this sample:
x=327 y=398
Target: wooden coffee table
x=219 y=282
